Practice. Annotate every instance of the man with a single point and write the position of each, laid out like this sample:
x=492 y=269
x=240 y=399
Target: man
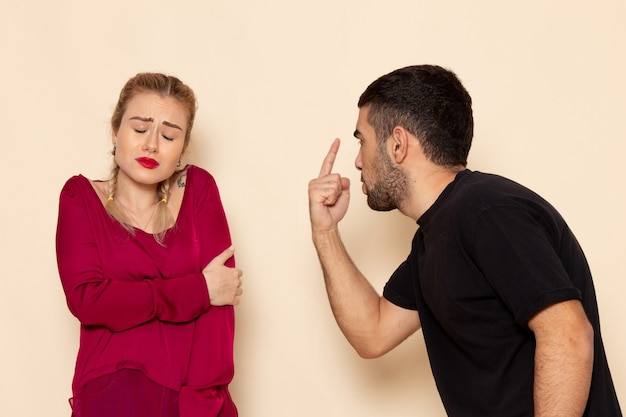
x=495 y=278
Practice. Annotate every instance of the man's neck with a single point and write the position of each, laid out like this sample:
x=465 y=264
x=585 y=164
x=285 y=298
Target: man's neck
x=426 y=185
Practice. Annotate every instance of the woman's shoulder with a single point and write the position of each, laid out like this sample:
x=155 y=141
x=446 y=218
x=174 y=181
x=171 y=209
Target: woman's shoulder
x=76 y=183
x=198 y=171
x=198 y=176
x=81 y=186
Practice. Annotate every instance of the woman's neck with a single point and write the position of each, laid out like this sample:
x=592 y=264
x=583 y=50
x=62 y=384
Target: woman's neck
x=135 y=196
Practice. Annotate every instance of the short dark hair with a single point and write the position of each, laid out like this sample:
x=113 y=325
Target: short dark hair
x=428 y=101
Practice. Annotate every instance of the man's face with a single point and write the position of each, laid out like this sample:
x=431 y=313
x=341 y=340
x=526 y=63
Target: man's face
x=384 y=183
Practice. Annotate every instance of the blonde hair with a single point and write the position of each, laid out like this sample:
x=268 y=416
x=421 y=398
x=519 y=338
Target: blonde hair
x=165 y=86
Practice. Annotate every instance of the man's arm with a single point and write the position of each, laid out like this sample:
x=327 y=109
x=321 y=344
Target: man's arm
x=372 y=325
x=563 y=359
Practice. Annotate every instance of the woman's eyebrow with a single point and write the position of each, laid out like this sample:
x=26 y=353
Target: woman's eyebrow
x=150 y=119
x=175 y=126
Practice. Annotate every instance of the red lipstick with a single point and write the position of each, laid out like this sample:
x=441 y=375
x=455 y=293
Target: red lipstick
x=147 y=162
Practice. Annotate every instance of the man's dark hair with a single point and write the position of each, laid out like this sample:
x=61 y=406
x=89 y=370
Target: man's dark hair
x=428 y=101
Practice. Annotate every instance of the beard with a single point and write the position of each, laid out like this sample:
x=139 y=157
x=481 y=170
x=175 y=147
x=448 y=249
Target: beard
x=390 y=190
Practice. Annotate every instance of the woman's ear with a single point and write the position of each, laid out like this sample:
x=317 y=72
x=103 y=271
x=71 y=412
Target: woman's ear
x=399 y=144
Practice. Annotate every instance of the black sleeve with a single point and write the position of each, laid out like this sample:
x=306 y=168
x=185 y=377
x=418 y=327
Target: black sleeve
x=516 y=253
x=399 y=290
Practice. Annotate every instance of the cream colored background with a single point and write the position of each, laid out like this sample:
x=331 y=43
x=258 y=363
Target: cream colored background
x=277 y=80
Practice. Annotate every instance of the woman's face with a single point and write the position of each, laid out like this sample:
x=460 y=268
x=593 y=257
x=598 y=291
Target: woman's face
x=151 y=138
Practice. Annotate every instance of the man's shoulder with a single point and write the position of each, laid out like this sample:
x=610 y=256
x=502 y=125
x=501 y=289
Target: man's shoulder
x=477 y=184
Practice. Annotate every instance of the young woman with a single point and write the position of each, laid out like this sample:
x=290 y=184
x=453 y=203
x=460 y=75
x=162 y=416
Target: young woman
x=147 y=267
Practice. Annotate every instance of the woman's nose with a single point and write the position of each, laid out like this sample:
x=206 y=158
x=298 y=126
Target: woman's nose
x=152 y=143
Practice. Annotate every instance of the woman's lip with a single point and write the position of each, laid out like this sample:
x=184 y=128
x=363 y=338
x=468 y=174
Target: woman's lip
x=147 y=162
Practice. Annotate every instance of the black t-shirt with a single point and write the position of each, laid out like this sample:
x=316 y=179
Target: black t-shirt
x=489 y=254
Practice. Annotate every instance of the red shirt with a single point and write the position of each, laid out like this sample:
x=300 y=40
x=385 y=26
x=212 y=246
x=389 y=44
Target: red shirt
x=146 y=306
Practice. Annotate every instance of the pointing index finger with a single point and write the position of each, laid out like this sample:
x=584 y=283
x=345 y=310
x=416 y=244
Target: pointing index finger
x=329 y=161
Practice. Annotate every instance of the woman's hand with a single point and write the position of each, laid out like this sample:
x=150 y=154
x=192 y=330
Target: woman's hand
x=223 y=282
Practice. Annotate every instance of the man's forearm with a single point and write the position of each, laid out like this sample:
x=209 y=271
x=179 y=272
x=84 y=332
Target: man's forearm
x=354 y=302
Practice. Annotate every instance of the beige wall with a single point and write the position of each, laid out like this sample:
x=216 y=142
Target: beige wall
x=277 y=80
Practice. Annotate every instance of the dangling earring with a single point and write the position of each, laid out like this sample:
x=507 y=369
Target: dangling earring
x=114 y=148
x=179 y=163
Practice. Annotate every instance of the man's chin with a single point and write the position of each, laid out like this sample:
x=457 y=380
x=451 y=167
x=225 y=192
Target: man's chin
x=380 y=206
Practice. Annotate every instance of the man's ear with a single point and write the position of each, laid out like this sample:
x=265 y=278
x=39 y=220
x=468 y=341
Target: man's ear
x=399 y=139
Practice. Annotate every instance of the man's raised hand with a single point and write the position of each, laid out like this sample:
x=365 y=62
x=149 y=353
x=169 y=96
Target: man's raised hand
x=329 y=194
